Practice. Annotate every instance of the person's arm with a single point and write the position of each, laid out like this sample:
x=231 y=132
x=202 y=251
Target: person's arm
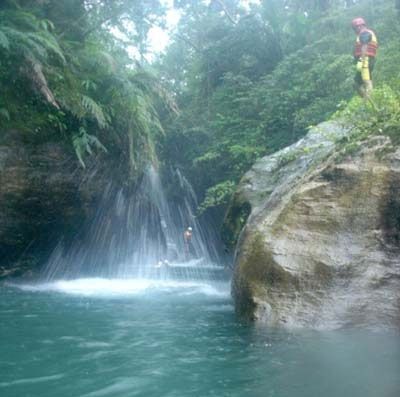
x=365 y=37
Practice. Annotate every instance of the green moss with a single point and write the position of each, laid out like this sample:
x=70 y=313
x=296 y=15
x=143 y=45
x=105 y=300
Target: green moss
x=323 y=272
x=258 y=274
x=235 y=219
x=288 y=157
x=244 y=303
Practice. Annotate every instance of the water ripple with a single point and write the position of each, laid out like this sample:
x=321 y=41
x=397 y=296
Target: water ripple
x=28 y=381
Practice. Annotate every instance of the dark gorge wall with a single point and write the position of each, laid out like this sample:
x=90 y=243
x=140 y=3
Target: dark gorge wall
x=44 y=194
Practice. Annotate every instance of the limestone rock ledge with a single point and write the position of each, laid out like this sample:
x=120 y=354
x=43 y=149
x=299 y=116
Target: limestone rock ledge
x=321 y=245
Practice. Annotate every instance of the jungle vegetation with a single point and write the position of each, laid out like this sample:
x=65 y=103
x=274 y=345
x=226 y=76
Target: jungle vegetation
x=65 y=76
x=235 y=83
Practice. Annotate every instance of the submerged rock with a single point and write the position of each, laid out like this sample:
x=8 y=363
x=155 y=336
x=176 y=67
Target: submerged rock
x=321 y=244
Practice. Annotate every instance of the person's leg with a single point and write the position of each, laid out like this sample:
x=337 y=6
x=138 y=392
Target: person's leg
x=359 y=85
x=368 y=82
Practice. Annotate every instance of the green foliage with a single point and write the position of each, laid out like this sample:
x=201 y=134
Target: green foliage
x=379 y=116
x=235 y=218
x=22 y=34
x=84 y=143
x=62 y=71
x=94 y=109
x=287 y=158
x=217 y=195
x=250 y=101
x=4 y=114
x=254 y=85
x=4 y=41
x=247 y=82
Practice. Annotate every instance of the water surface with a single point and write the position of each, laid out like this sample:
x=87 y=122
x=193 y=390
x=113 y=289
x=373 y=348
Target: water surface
x=100 y=338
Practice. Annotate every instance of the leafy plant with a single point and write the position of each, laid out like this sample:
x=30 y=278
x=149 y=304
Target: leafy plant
x=84 y=143
x=63 y=71
x=4 y=114
x=94 y=110
x=217 y=195
x=379 y=116
x=24 y=35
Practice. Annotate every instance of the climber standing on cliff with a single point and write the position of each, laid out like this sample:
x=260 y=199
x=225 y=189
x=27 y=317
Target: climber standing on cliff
x=365 y=50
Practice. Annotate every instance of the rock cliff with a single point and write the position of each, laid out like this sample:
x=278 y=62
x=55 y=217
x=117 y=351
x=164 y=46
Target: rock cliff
x=321 y=244
x=44 y=194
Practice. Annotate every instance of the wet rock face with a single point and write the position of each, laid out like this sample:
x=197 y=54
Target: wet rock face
x=321 y=249
x=43 y=194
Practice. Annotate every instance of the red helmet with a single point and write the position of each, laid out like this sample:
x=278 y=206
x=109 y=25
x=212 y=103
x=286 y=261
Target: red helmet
x=358 y=22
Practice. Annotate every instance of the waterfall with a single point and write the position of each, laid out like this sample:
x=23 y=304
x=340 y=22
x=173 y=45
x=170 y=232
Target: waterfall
x=140 y=235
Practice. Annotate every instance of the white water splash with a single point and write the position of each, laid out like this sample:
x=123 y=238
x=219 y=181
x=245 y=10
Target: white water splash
x=102 y=287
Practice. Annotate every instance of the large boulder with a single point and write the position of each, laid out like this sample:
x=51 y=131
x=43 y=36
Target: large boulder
x=320 y=247
x=44 y=194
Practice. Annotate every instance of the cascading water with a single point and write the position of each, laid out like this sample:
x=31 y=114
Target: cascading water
x=140 y=235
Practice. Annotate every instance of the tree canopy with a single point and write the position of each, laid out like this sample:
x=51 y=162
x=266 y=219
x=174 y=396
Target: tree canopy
x=250 y=81
x=236 y=82
x=65 y=74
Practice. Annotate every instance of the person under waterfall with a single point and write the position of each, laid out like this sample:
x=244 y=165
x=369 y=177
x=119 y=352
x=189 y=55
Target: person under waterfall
x=187 y=237
x=365 y=51
x=162 y=264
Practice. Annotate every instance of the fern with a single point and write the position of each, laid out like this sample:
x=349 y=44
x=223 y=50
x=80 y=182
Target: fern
x=22 y=33
x=96 y=57
x=4 y=42
x=79 y=149
x=144 y=126
x=94 y=110
x=23 y=45
x=88 y=82
x=83 y=143
x=133 y=109
x=48 y=42
x=89 y=85
x=4 y=114
x=46 y=24
x=21 y=19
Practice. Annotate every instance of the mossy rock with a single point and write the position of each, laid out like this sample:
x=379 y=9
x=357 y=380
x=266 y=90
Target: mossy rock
x=257 y=274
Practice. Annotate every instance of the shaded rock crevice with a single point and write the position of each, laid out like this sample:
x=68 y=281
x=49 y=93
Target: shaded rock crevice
x=389 y=210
